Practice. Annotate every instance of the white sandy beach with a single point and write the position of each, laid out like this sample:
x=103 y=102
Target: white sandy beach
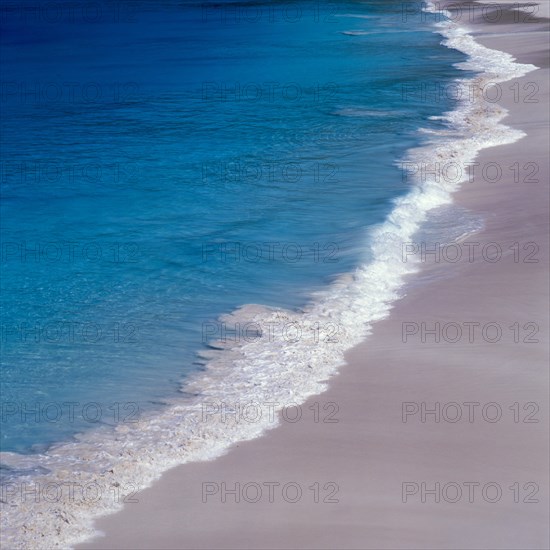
x=371 y=456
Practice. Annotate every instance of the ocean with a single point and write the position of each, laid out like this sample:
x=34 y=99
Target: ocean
x=203 y=205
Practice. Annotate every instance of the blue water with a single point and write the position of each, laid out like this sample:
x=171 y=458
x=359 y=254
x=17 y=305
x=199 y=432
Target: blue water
x=137 y=144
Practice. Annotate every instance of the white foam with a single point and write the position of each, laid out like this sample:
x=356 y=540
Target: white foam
x=356 y=33
x=265 y=369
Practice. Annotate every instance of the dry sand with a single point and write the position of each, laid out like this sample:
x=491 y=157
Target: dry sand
x=371 y=452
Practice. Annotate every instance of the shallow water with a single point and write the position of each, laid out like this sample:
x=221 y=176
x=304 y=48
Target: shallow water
x=167 y=167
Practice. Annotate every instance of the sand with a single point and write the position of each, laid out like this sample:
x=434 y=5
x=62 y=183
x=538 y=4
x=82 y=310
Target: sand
x=364 y=463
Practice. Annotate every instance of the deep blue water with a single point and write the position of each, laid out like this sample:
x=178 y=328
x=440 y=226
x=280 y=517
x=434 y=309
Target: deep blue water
x=137 y=143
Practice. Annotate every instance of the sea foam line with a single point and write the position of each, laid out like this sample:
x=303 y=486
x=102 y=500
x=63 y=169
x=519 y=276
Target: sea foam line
x=134 y=456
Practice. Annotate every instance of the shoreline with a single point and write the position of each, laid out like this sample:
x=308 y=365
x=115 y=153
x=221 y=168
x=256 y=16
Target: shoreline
x=371 y=451
x=350 y=390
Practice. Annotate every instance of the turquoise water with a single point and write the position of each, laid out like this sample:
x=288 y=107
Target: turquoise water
x=140 y=152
